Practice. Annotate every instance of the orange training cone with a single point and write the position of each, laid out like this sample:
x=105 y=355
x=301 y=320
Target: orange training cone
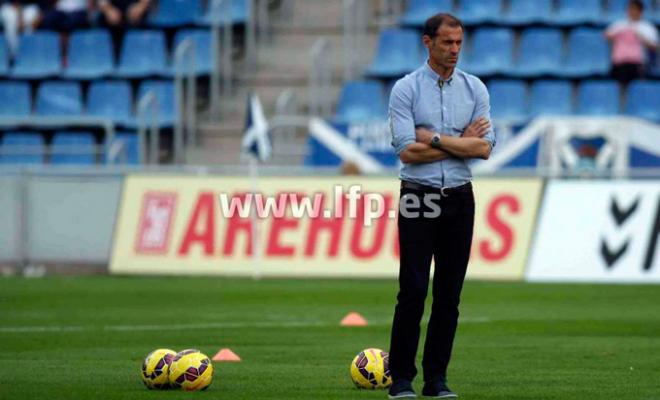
x=354 y=319
x=226 y=355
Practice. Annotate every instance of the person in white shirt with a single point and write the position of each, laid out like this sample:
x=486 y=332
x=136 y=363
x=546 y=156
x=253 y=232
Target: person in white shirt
x=631 y=39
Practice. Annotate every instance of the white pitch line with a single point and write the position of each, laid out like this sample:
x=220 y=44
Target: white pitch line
x=209 y=325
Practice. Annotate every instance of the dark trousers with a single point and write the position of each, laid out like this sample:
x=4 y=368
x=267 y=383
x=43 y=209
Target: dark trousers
x=626 y=73
x=447 y=239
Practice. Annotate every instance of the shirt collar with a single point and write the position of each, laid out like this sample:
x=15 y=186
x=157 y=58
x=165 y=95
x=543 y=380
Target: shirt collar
x=435 y=76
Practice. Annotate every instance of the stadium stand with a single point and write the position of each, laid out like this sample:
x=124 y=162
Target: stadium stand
x=176 y=13
x=527 y=12
x=399 y=52
x=26 y=148
x=588 y=54
x=202 y=40
x=73 y=148
x=475 y=12
x=509 y=100
x=531 y=61
x=361 y=101
x=551 y=97
x=4 y=58
x=165 y=101
x=491 y=51
x=90 y=55
x=59 y=99
x=598 y=97
x=38 y=56
x=643 y=100
x=419 y=10
x=571 y=12
x=15 y=99
x=143 y=54
x=110 y=99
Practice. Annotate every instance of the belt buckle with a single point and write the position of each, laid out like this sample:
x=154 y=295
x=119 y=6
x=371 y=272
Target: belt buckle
x=442 y=192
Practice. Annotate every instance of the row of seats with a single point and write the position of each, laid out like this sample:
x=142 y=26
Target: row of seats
x=492 y=51
x=105 y=99
x=177 y=13
x=524 y=12
x=144 y=53
x=513 y=100
x=66 y=148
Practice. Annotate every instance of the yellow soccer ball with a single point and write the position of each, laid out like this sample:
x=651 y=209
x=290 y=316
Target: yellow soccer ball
x=191 y=370
x=155 y=368
x=371 y=369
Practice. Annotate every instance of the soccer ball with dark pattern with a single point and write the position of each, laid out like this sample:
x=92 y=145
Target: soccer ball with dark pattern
x=371 y=369
x=191 y=370
x=155 y=368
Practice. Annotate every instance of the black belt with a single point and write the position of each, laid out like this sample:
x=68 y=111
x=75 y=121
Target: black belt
x=445 y=191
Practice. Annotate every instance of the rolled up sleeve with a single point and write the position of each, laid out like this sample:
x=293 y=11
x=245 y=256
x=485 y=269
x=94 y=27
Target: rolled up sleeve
x=482 y=109
x=402 y=124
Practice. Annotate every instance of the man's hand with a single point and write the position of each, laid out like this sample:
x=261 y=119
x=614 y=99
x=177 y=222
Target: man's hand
x=478 y=128
x=423 y=135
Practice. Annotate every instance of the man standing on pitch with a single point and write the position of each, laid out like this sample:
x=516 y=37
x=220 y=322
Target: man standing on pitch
x=440 y=119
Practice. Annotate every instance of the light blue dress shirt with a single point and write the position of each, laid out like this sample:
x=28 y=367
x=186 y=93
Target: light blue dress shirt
x=419 y=99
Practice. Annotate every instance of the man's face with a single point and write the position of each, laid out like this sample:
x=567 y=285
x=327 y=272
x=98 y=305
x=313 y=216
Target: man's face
x=445 y=46
x=634 y=12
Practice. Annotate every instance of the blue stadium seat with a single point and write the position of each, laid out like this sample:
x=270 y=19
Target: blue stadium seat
x=4 y=58
x=361 y=101
x=28 y=148
x=588 y=54
x=526 y=12
x=551 y=98
x=644 y=100
x=202 y=40
x=419 y=11
x=15 y=99
x=130 y=153
x=110 y=99
x=239 y=14
x=578 y=12
x=59 y=99
x=399 y=52
x=143 y=54
x=176 y=13
x=491 y=51
x=532 y=61
x=38 y=56
x=598 y=98
x=90 y=55
x=164 y=92
x=474 y=12
x=73 y=148
x=508 y=100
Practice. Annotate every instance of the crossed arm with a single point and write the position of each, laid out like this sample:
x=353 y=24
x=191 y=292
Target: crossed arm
x=469 y=145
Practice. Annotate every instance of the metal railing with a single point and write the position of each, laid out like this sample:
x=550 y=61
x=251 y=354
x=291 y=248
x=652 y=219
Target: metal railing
x=148 y=103
x=185 y=81
x=221 y=53
x=355 y=27
x=320 y=79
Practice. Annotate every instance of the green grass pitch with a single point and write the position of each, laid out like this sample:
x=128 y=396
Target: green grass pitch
x=85 y=337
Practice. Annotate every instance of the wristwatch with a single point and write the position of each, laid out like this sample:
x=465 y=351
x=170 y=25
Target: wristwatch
x=435 y=142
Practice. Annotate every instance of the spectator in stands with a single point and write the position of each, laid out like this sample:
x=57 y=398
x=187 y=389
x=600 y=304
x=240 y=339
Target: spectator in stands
x=67 y=15
x=118 y=15
x=630 y=39
x=18 y=16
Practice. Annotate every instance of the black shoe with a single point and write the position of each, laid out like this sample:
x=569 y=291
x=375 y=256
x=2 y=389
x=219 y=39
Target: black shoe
x=438 y=390
x=401 y=390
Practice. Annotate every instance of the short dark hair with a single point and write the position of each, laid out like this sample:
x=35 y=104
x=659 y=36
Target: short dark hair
x=432 y=24
x=637 y=3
